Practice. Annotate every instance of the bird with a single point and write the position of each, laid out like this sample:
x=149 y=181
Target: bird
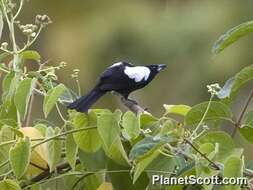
x=122 y=78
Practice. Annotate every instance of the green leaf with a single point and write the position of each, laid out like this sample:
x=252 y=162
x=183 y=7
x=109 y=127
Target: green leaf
x=31 y=54
x=217 y=111
x=6 y=134
x=10 y=83
x=147 y=120
x=162 y=163
x=226 y=145
x=88 y=140
x=231 y=36
x=148 y=145
x=71 y=151
x=247 y=127
x=177 y=109
x=108 y=128
x=22 y=95
x=17 y=132
x=117 y=152
x=52 y=97
x=20 y=156
x=7 y=81
x=206 y=148
x=143 y=163
x=127 y=183
x=93 y=161
x=131 y=125
x=8 y=184
x=53 y=148
x=234 y=84
x=233 y=167
x=8 y=111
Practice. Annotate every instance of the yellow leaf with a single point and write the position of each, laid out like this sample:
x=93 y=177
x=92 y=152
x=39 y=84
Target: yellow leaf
x=105 y=186
x=38 y=157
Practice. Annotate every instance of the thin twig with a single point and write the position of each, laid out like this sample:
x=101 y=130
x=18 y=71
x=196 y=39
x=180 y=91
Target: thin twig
x=80 y=179
x=32 y=41
x=6 y=50
x=194 y=133
x=60 y=114
x=19 y=9
x=63 y=134
x=29 y=114
x=37 y=166
x=46 y=173
x=238 y=123
x=131 y=105
x=203 y=155
x=78 y=87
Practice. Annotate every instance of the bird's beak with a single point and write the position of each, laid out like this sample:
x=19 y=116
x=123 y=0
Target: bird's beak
x=161 y=67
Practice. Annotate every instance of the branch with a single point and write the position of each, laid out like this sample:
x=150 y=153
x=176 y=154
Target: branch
x=28 y=118
x=130 y=104
x=46 y=173
x=203 y=155
x=238 y=123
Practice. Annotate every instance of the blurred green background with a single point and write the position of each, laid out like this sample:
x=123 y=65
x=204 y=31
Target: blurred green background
x=91 y=35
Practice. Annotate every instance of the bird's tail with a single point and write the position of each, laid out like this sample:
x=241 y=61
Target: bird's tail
x=85 y=102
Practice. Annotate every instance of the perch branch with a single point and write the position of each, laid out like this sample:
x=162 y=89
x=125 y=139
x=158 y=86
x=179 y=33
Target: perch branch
x=130 y=104
x=238 y=123
x=214 y=165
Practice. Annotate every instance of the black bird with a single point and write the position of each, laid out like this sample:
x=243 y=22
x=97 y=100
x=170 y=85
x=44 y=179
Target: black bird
x=122 y=78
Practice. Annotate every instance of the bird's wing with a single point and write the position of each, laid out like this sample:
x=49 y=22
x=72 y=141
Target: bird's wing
x=107 y=73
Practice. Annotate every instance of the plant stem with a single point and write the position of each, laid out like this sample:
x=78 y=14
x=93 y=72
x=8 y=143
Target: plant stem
x=29 y=114
x=29 y=43
x=60 y=114
x=78 y=87
x=4 y=163
x=203 y=155
x=63 y=134
x=6 y=174
x=6 y=50
x=47 y=69
x=238 y=123
x=203 y=118
x=2 y=69
x=19 y=9
x=14 y=46
x=31 y=102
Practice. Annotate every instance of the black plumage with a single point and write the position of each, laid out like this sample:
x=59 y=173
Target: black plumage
x=122 y=78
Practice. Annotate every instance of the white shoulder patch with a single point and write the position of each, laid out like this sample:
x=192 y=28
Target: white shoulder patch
x=116 y=64
x=137 y=73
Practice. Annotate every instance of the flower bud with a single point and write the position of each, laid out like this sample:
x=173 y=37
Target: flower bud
x=4 y=45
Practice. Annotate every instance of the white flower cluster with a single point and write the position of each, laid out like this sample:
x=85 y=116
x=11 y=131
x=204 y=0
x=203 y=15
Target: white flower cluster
x=4 y=45
x=29 y=29
x=213 y=89
x=43 y=20
x=75 y=73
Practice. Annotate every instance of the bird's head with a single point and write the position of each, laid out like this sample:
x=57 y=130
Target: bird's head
x=156 y=68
